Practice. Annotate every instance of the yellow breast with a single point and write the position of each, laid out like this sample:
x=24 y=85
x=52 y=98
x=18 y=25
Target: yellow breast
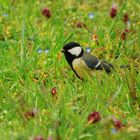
x=81 y=68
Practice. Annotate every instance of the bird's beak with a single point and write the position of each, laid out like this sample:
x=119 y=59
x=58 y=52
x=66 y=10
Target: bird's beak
x=62 y=51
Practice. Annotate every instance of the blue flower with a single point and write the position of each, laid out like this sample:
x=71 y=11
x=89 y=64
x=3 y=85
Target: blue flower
x=5 y=15
x=113 y=131
x=47 y=51
x=88 y=49
x=39 y=50
x=91 y=15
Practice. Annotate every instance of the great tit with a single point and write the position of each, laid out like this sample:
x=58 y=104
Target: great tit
x=83 y=63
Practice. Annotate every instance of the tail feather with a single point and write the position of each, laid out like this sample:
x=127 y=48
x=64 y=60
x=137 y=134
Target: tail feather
x=105 y=66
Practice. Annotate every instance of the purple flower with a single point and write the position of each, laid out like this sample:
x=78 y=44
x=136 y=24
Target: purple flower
x=46 y=12
x=125 y=18
x=94 y=117
x=113 y=11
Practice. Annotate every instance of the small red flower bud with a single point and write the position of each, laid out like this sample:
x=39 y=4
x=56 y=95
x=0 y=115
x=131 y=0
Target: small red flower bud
x=125 y=18
x=46 y=12
x=117 y=124
x=80 y=25
x=30 y=114
x=127 y=30
x=124 y=34
x=113 y=11
x=95 y=37
x=94 y=117
x=54 y=91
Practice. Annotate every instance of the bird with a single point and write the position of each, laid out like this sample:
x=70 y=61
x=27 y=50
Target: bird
x=83 y=63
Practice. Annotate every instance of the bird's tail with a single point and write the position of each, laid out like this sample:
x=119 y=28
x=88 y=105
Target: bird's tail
x=108 y=67
x=105 y=66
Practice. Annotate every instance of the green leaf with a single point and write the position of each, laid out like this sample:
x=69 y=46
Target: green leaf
x=4 y=3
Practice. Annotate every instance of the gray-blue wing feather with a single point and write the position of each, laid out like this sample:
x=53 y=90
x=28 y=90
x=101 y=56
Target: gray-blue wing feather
x=90 y=60
x=94 y=63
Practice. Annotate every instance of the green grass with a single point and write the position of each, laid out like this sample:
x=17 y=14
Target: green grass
x=27 y=77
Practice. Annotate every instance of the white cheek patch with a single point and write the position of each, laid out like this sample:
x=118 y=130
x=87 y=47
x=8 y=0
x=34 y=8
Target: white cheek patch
x=75 y=51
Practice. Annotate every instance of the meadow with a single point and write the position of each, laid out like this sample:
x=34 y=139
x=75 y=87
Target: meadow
x=40 y=96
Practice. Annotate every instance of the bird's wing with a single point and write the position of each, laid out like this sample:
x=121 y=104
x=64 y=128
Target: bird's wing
x=94 y=63
x=90 y=60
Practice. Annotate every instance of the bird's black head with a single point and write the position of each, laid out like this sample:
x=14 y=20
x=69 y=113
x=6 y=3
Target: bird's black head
x=71 y=51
